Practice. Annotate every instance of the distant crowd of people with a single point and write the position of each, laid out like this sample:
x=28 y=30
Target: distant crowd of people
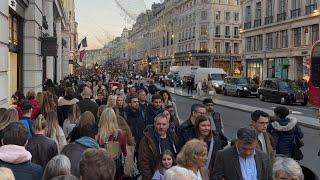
x=92 y=127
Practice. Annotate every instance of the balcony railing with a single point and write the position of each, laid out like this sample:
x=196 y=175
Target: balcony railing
x=217 y=35
x=268 y=20
x=295 y=13
x=281 y=16
x=310 y=8
x=257 y=22
x=247 y=25
x=236 y=36
x=227 y=36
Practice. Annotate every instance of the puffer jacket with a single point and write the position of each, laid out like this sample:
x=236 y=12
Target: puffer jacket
x=284 y=134
x=74 y=152
x=40 y=144
x=149 y=151
x=18 y=159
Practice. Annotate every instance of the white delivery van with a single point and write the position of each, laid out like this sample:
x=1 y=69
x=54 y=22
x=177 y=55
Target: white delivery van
x=184 y=70
x=215 y=76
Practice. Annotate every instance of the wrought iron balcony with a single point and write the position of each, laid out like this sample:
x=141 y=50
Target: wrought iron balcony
x=310 y=8
x=295 y=13
x=268 y=20
x=247 y=25
x=281 y=16
x=257 y=22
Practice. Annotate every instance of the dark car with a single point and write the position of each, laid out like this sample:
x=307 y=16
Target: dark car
x=283 y=91
x=240 y=86
x=173 y=78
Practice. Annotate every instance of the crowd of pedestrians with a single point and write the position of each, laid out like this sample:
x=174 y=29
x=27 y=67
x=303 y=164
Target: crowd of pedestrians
x=90 y=126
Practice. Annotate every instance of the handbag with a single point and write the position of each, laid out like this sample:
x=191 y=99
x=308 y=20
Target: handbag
x=297 y=144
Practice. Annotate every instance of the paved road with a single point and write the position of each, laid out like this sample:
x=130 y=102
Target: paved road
x=233 y=119
x=297 y=109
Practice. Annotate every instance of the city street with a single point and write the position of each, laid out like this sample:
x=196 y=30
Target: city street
x=297 y=109
x=233 y=119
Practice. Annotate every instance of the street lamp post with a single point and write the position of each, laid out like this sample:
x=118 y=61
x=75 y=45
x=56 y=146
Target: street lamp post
x=231 y=64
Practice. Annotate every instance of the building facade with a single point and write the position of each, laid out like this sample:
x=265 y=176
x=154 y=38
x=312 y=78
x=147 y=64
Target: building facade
x=188 y=32
x=27 y=28
x=278 y=36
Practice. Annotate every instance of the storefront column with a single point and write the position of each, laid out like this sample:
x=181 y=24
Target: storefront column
x=292 y=74
x=4 y=50
x=65 y=70
x=48 y=12
x=59 y=51
x=264 y=69
x=32 y=60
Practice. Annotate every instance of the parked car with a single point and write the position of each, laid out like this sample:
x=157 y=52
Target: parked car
x=172 y=78
x=283 y=91
x=240 y=86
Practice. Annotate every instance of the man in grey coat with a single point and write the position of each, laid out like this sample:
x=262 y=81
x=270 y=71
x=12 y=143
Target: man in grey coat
x=242 y=161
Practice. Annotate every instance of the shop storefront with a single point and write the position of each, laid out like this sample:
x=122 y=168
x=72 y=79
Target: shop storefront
x=278 y=68
x=255 y=68
x=15 y=54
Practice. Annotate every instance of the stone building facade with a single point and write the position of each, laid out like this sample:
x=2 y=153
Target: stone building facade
x=24 y=24
x=188 y=32
x=278 y=36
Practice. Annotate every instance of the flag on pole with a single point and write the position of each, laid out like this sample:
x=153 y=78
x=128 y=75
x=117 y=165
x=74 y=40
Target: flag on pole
x=82 y=54
x=83 y=43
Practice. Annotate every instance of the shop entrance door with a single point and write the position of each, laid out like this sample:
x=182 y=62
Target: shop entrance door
x=12 y=73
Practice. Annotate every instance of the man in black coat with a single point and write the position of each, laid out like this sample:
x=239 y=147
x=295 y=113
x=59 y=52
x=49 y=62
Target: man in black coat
x=186 y=130
x=135 y=118
x=154 y=109
x=86 y=104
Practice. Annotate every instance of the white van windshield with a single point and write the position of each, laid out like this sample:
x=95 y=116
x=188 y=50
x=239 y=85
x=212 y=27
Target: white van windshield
x=217 y=77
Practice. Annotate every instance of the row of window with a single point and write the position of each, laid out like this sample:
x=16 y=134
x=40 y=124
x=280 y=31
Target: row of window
x=281 y=15
x=190 y=18
x=279 y=39
x=187 y=6
x=217 y=47
x=189 y=33
x=227 y=16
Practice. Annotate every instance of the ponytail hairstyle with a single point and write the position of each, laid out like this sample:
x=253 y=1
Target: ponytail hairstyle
x=39 y=124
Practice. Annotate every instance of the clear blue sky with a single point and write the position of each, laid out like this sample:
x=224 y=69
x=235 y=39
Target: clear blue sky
x=101 y=20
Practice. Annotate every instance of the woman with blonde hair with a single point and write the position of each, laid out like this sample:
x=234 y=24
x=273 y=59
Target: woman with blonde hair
x=9 y=116
x=39 y=143
x=55 y=132
x=6 y=174
x=109 y=131
x=192 y=160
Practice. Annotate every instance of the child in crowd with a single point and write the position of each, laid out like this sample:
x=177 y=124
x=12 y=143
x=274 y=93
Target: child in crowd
x=166 y=161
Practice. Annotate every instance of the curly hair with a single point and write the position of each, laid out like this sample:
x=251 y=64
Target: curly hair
x=187 y=156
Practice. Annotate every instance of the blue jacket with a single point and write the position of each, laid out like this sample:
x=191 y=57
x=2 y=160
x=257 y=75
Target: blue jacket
x=27 y=123
x=283 y=133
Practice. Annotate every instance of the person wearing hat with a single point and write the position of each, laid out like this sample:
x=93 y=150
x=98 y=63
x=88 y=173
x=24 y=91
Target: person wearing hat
x=215 y=117
x=26 y=108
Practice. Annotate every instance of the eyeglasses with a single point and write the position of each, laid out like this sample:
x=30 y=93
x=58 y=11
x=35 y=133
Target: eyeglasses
x=202 y=113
